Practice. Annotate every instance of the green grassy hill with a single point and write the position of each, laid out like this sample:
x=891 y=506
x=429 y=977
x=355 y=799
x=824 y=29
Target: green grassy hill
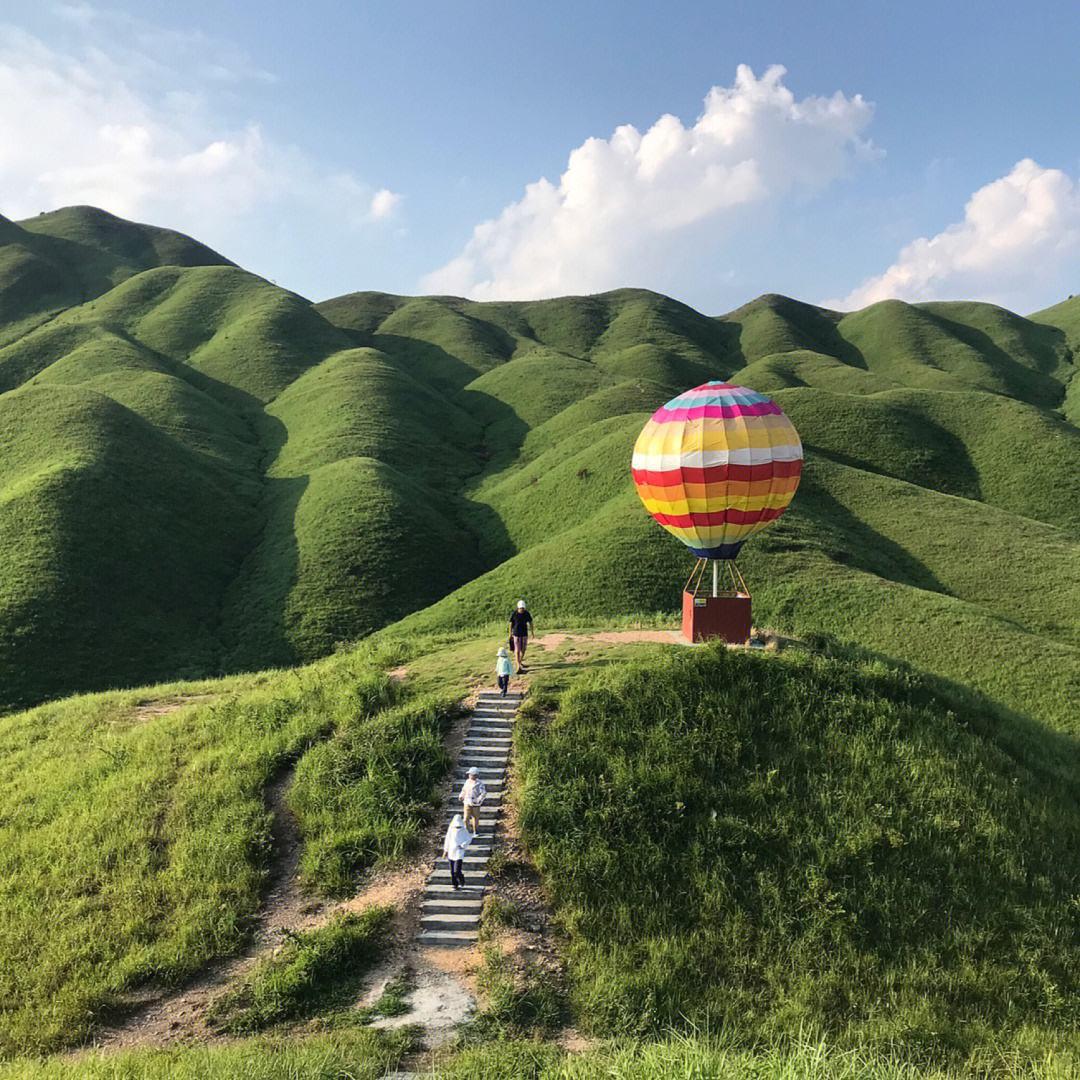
x=277 y=477
x=202 y=475
x=767 y=845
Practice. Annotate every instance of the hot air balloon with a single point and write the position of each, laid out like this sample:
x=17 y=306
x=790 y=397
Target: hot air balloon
x=714 y=466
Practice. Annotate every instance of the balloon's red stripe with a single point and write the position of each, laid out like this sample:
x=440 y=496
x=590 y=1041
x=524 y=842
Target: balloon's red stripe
x=716 y=474
x=719 y=517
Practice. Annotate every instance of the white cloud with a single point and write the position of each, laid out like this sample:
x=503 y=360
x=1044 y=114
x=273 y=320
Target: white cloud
x=620 y=200
x=383 y=203
x=117 y=114
x=1018 y=245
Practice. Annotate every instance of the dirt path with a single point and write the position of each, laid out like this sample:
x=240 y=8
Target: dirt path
x=162 y=1016
x=159 y=1016
x=612 y=637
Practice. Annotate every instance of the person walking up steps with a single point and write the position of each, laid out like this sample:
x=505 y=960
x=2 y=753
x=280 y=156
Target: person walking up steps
x=472 y=797
x=503 y=670
x=520 y=625
x=457 y=841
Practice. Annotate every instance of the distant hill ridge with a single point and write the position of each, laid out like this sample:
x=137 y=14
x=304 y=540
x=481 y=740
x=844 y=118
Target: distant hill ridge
x=201 y=472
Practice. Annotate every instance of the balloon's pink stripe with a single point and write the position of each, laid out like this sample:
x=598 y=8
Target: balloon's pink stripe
x=721 y=412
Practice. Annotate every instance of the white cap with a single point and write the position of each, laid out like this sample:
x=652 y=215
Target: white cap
x=521 y=603
x=474 y=771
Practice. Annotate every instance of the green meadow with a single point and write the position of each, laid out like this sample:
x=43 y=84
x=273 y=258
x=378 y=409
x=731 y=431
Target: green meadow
x=228 y=515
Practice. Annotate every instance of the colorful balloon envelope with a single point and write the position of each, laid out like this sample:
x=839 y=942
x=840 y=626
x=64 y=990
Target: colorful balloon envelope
x=716 y=465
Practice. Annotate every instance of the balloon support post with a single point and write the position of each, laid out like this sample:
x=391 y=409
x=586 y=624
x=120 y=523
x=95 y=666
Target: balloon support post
x=725 y=615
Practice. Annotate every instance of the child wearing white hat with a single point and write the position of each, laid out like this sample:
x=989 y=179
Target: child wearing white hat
x=503 y=670
x=472 y=798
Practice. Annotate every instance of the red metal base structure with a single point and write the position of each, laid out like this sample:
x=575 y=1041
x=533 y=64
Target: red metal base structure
x=724 y=615
x=708 y=617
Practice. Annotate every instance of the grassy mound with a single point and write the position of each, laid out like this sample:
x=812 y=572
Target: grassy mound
x=776 y=844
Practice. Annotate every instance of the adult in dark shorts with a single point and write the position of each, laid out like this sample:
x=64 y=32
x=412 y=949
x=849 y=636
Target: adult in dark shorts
x=520 y=625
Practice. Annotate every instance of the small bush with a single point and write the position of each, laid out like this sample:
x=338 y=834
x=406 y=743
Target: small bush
x=498 y=912
x=517 y=1003
x=308 y=972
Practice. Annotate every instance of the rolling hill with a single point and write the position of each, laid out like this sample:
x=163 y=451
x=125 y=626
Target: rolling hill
x=870 y=839
x=204 y=473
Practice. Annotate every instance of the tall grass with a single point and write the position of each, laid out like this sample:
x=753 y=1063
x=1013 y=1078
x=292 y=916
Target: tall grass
x=766 y=845
x=353 y=1054
x=703 y=1057
x=134 y=847
x=365 y=794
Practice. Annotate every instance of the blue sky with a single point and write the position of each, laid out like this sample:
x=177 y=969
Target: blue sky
x=341 y=146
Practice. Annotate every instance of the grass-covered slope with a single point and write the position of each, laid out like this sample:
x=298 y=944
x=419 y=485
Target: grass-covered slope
x=55 y=260
x=135 y=838
x=344 y=464
x=776 y=845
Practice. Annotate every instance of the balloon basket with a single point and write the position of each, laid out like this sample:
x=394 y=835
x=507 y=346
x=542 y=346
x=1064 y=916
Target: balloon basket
x=722 y=614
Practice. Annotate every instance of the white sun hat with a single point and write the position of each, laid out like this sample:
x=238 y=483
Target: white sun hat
x=521 y=603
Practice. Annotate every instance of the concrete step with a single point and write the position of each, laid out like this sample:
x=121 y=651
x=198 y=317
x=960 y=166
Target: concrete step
x=486 y=814
x=434 y=890
x=478 y=755
x=450 y=922
x=448 y=939
x=453 y=906
x=482 y=738
x=473 y=879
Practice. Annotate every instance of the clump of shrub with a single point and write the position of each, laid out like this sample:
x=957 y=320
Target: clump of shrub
x=311 y=971
x=498 y=913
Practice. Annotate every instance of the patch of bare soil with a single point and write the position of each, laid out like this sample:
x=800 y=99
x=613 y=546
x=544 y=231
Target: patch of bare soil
x=612 y=637
x=148 y=710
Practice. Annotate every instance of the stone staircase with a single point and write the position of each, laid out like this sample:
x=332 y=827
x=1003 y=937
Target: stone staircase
x=450 y=918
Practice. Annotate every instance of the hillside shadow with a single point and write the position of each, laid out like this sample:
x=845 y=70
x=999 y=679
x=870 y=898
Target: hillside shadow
x=430 y=364
x=1033 y=386
x=859 y=545
x=809 y=327
x=963 y=483
x=1029 y=742
x=250 y=622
